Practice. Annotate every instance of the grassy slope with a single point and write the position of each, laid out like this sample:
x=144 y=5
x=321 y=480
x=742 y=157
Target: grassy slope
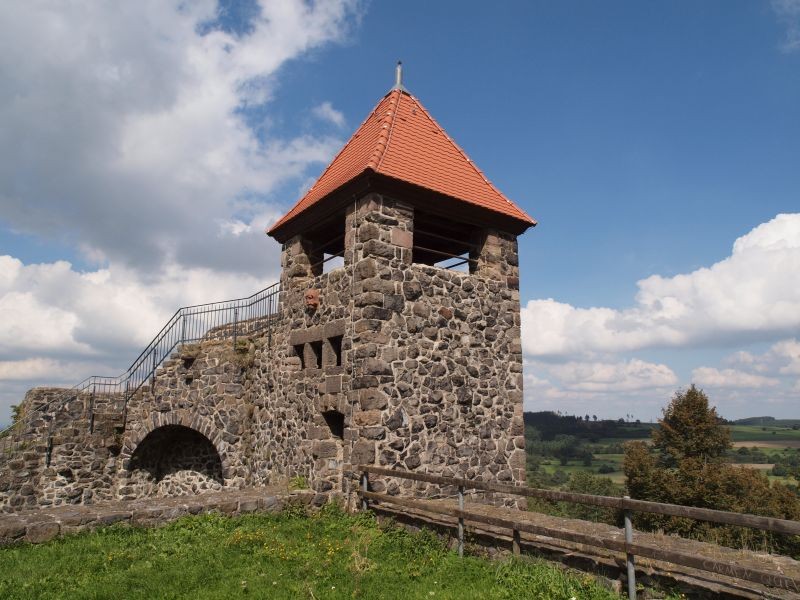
x=332 y=555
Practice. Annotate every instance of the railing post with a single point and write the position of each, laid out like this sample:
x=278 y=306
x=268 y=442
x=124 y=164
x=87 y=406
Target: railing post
x=49 y=451
x=269 y=320
x=91 y=408
x=153 y=374
x=461 y=521
x=629 y=556
x=125 y=404
x=183 y=328
x=364 y=488
x=235 y=325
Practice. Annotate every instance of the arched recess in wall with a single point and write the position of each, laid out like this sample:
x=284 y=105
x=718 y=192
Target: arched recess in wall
x=174 y=460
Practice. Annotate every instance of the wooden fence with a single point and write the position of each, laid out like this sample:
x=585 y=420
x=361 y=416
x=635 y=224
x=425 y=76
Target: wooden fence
x=627 y=505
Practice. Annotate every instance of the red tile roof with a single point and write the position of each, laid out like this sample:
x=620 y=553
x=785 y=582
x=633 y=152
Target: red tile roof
x=400 y=139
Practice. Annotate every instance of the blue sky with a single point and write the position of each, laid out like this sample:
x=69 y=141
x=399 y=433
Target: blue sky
x=146 y=148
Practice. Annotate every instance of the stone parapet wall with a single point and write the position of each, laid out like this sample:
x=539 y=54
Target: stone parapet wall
x=39 y=526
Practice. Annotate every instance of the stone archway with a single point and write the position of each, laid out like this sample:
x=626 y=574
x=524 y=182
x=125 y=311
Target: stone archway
x=173 y=460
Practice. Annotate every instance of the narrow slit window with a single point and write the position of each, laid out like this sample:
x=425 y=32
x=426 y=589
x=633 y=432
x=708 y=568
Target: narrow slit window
x=336 y=346
x=298 y=351
x=316 y=348
x=335 y=421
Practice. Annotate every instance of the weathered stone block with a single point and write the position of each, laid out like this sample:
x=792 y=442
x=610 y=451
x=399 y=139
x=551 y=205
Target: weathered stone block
x=363 y=453
x=370 y=399
x=369 y=299
x=377 y=248
x=402 y=238
x=367 y=417
x=376 y=312
x=325 y=449
x=412 y=290
x=37 y=533
x=374 y=366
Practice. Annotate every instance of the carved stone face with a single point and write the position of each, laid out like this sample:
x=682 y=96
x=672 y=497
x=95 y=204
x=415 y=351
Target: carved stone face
x=312 y=299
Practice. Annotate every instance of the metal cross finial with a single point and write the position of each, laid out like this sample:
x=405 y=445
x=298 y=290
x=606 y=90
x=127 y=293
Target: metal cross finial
x=398 y=77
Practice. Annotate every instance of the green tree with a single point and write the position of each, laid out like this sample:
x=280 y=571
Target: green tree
x=690 y=428
x=686 y=465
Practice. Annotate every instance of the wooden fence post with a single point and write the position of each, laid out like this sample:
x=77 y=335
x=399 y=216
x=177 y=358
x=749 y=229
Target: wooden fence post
x=629 y=556
x=461 y=521
x=364 y=488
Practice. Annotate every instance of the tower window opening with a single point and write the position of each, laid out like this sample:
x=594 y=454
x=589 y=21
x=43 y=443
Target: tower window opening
x=325 y=245
x=445 y=244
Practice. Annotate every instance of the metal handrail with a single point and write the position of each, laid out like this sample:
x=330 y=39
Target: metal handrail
x=212 y=320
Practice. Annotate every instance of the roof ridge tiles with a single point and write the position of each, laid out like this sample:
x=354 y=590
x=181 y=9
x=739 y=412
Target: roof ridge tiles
x=390 y=124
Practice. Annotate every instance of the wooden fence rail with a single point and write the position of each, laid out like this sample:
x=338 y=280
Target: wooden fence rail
x=627 y=505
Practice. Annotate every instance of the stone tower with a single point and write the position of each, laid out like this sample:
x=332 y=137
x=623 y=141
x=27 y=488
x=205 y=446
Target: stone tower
x=400 y=290
x=394 y=339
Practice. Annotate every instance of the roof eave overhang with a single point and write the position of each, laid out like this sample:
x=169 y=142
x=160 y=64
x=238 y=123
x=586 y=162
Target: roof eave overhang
x=435 y=203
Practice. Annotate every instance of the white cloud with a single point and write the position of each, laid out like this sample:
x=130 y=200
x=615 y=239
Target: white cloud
x=606 y=388
x=782 y=358
x=748 y=296
x=38 y=368
x=730 y=378
x=123 y=129
x=628 y=375
x=54 y=311
x=788 y=12
x=326 y=112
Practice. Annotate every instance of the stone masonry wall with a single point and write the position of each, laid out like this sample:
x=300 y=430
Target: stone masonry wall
x=298 y=381
x=82 y=454
x=437 y=371
x=93 y=458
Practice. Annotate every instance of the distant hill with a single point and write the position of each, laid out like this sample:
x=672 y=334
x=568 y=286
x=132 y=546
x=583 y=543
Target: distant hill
x=766 y=421
x=550 y=424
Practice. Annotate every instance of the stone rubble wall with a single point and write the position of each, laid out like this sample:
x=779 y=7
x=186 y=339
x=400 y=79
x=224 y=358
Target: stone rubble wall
x=82 y=454
x=438 y=360
x=291 y=437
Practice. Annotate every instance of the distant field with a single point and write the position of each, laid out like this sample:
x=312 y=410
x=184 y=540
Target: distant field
x=773 y=439
x=617 y=476
x=771 y=443
x=757 y=466
x=765 y=433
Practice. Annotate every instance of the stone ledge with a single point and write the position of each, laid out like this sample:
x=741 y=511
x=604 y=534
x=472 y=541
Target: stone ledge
x=41 y=525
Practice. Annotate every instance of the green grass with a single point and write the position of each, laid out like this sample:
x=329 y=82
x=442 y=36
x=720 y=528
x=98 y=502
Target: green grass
x=290 y=555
